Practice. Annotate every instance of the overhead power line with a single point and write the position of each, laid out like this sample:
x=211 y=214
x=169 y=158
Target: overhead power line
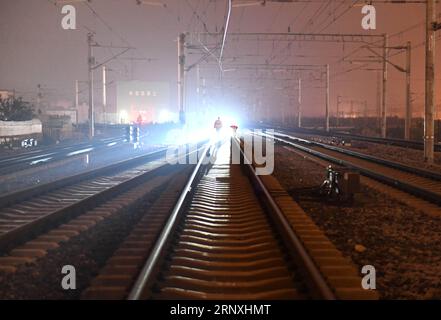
x=227 y=24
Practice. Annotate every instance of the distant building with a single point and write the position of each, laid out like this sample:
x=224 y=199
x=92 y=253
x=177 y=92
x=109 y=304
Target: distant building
x=72 y=114
x=142 y=101
x=57 y=127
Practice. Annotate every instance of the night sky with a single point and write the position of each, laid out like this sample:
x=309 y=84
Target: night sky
x=36 y=50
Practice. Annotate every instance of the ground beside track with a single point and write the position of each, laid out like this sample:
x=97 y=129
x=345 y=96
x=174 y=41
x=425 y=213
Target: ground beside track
x=32 y=177
x=87 y=251
x=403 y=244
x=407 y=156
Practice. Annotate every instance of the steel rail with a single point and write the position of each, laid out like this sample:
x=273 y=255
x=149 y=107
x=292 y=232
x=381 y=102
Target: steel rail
x=34 y=227
x=395 y=165
x=413 y=144
x=43 y=152
x=291 y=240
x=151 y=266
x=25 y=194
x=424 y=194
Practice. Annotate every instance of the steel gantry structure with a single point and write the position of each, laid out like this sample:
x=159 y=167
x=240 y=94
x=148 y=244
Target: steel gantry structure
x=429 y=106
x=432 y=25
x=205 y=41
x=324 y=69
x=92 y=66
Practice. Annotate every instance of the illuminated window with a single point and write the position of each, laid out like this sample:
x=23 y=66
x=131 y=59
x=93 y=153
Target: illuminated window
x=130 y=93
x=148 y=93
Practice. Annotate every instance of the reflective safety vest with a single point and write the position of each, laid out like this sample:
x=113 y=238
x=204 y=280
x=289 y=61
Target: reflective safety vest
x=218 y=124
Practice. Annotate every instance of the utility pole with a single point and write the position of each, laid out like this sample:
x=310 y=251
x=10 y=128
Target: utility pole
x=408 y=118
x=104 y=95
x=407 y=71
x=338 y=110
x=327 y=99
x=299 y=110
x=429 y=107
x=283 y=115
x=39 y=96
x=383 y=101
x=91 y=62
x=91 y=67
x=181 y=77
x=379 y=99
x=77 y=93
x=198 y=88
x=352 y=110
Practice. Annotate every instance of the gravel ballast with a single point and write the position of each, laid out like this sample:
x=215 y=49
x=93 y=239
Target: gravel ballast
x=403 y=244
x=407 y=156
x=87 y=252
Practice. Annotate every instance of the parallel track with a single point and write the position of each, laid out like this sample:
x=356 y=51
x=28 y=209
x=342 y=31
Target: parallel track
x=219 y=242
x=27 y=213
x=421 y=183
x=34 y=158
x=226 y=247
x=411 y=144
x=226 y=237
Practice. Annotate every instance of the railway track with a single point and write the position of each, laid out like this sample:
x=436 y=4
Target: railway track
x=28 y=213
x=34 y=158
x=228 y=235
x=37 y=220
x=411 y=144
x=231 y=256
x=421 y=183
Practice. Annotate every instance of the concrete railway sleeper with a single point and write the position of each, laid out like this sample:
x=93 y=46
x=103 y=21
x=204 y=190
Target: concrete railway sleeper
x=220 y=241
x=38 y=210
x=413 y=183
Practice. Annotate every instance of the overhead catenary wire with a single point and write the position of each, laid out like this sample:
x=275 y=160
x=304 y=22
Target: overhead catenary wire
x=95 y=13
x=224 y=38
x=332 y=14
x=340 y=15
x=196 y=14
x=310 y=21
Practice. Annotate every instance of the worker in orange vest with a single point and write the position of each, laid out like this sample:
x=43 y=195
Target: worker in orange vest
x=139 y=120
x=218 y=124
